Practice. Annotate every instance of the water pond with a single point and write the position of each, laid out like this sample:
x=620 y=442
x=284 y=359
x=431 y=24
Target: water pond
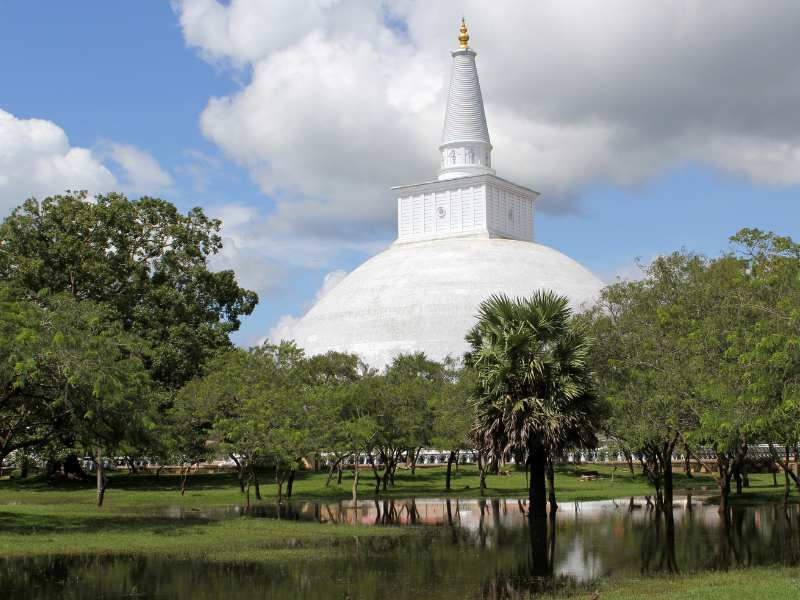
x=465 y=549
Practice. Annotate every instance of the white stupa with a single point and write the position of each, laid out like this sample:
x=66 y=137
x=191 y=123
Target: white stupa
x=460 y=239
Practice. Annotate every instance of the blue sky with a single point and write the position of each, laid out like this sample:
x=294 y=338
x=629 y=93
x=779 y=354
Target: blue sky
x=111 y=76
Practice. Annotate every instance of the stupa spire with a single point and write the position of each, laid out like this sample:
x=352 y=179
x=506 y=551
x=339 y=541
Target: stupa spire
x=466 y=148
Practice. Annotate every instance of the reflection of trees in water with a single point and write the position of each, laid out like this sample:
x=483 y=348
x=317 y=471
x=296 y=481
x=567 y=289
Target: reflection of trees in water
x=658 y=543
x=534 y=573
x=518 y=559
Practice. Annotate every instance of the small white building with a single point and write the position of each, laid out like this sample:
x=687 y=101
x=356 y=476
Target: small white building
x=460 y=239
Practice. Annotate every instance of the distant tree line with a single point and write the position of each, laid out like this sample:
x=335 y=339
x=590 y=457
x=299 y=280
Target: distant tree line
x=115 y=342
x=704 y=353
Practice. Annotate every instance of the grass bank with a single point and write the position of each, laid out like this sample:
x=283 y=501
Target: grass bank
x=31 y=530
x=222 y=489
x=748 y=584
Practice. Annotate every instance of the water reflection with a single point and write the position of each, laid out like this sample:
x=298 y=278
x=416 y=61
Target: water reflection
x=465 y=548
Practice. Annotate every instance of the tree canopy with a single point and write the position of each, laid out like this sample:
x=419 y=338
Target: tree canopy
x=143 y=259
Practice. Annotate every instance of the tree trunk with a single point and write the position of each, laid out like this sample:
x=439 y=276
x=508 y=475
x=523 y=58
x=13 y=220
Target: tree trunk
x=101 y=478
x=482 y=471
x=667 y=467
x=23 y=466
x=256 y=483
x=536 y=493
x=290 y=483
x=375 y=473
x=450 y=460
x=355 y=484
x=688 y=464
x=72 y=467
x=786 y=490
x=185 y=477
x=386 y=470
x=551 y=485
x=414 y=460
x=339 y=475
x=724 y=482
x=333 y=468
x=131 y=465
x=629 y=459
x=788 y=473
x=239 y=471
x=737 y=476
x=247 y=491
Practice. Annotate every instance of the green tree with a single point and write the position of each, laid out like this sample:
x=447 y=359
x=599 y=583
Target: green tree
x=768 y=352
x=668 y=360
x=71 y=375
x=411 y=380
x=534 y=388
x=143 y=259
x=643 y=365
x=255 y=402
x=336 y=406
x=451 y=408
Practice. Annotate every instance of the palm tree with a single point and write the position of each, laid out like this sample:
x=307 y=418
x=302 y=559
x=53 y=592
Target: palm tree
x=534 y=389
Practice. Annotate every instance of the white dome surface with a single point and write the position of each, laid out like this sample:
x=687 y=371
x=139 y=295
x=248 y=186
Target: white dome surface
x=424 y=296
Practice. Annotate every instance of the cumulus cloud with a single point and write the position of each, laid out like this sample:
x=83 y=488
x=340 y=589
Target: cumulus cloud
x=345 y=98
x=142 y=172
x=285 y=327
x=283 y=330
x=330 y=281
x=36 y=159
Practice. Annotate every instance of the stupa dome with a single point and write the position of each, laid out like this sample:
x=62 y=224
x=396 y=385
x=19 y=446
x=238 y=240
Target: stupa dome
x=461 y=238
x=425 y=295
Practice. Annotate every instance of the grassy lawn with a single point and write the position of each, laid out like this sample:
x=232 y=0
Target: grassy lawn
x=748 y=584
x=221 y=489
x=30 y=530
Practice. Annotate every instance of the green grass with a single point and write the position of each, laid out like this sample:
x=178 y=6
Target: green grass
x=748 y=584
x=150 y=491
x=31 y=530
x=221 y=489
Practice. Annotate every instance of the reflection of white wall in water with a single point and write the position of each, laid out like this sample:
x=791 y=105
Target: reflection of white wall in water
x=575 y=563
x=510 y=512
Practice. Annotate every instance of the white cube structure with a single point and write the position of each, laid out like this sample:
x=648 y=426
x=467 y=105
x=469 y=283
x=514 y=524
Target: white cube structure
x=478 y=205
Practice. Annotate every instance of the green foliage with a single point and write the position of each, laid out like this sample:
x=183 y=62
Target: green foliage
x=143 y=259
x=451 y=409
x=704 y=351
x=69 y=374
x=533 y=380
x=534 y=390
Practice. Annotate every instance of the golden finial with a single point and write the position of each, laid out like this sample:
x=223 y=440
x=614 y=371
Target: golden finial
x=463 y=36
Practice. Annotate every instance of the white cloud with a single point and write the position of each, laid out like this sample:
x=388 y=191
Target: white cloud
x=36 y=159
x=143 y=174
x=330 y=281
x=632 y=271
x=242 y=252
x=340 y=105
x=284 y=328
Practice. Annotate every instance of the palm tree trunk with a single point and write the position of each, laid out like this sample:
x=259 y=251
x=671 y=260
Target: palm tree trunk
x=537 y=494
x=551 y=485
